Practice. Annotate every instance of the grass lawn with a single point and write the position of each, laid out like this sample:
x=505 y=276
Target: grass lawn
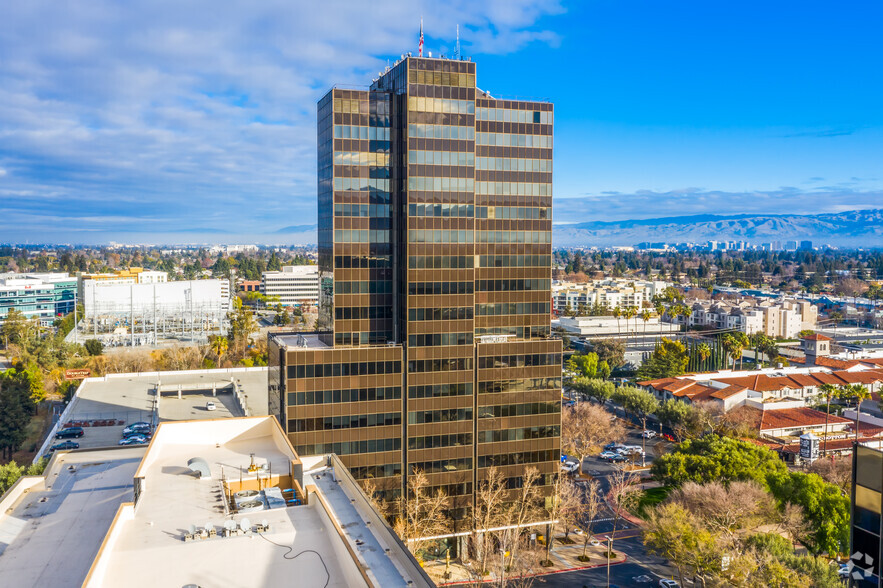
x=650 y=499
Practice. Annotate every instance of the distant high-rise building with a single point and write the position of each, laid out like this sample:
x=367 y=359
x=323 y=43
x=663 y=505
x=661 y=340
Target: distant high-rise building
x=435 y=352
x=806 y=245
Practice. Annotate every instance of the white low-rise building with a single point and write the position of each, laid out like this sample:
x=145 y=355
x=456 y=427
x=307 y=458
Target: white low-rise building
x=295 y=285
x=608 y=326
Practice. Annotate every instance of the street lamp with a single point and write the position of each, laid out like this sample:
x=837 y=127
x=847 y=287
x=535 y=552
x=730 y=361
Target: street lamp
x=608 y=559
x=502 y=567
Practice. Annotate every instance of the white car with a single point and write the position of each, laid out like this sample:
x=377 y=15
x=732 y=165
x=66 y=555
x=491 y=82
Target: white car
x=210 y=405
x=648 y=434
x=630 y=450
x=570 y=466
x=668 y=584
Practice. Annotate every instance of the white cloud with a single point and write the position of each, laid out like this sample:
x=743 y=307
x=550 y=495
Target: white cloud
x=201 y=109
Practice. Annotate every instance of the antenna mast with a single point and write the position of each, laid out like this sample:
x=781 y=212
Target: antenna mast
x=457 y=48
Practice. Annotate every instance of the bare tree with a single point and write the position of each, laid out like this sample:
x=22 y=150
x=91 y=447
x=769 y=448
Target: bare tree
x=583 y=516
x=489 y=512
x=420 y=513
x=523 y=509
x=835 y=471
x=521 y=572
x=586 y=427
x=624 y=496
x=726 y=508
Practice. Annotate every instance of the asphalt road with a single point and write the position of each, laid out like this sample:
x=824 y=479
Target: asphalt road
x=621 y=575
x=641 y=569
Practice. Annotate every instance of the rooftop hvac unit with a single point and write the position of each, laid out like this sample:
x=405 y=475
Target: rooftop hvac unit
x=250 y=506
x=246 y=496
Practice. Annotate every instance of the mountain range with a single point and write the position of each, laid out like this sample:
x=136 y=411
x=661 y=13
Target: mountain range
x=855 y=228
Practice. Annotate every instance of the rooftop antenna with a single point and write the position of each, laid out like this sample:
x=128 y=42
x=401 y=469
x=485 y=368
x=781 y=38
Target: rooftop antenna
x=457 y=47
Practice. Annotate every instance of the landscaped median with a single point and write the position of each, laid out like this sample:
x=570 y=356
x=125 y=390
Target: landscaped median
x=565 y=558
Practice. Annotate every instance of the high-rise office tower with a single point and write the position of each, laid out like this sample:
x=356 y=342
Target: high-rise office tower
x=435 y=219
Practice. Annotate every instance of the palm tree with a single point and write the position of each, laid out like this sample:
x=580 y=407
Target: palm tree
x=219 y=345
x=836 y=317
x=630 y=312
x=704 y=352
x=660 y=309
x=829 y=390
x=860 y=393
x=685 y=311
x=646 y=316
x=743 y=341
x=733 y=346
x=617 y=312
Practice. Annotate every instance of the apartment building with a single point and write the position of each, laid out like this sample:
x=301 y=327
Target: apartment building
x=608 y=293
x=435 y=353
x=778 y=319
x=295 y=285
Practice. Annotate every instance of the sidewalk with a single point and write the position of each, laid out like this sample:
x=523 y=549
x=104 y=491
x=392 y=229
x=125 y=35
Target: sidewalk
x=564 y=558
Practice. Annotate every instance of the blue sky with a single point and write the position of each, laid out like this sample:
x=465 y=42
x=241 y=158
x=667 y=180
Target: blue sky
x=161 y=121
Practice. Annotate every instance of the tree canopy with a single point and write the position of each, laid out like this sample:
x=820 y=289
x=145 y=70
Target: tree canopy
x=669 y=359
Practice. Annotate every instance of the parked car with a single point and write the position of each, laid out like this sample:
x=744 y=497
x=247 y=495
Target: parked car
x=210 y=405
x=570 y=466
x=134 y=440
x=607 y=455
x=616 y=457
x=70 y=433
x=630 y=450
x=138 y=433
x=137 y=428
x=65 y=445
x=613 y=446
x=668 y=584
x=843 y=572
x=648 y=434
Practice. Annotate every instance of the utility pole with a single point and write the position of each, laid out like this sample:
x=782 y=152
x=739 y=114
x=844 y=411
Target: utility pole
x=76 y=337
x=132 y=312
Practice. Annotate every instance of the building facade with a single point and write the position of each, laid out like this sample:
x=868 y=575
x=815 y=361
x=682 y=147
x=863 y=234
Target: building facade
x=606 y=294
x=45 y=296
x=295 y=285
x=435 y=353
x=781 y=319
x=865 y=545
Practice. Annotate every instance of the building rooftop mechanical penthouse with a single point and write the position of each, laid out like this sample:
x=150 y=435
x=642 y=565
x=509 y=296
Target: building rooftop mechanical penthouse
x=435 y=204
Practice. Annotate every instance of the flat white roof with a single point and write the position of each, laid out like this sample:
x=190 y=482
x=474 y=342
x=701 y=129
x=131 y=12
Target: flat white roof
x=50 y=537
x=306 y=545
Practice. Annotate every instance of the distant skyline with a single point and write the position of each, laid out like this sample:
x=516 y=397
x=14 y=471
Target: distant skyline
x=160 y=122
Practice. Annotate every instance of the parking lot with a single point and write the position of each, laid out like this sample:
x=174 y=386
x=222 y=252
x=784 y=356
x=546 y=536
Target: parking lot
x=191 y=406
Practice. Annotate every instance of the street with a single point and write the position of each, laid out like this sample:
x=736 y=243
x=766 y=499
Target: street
x=641 y=567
